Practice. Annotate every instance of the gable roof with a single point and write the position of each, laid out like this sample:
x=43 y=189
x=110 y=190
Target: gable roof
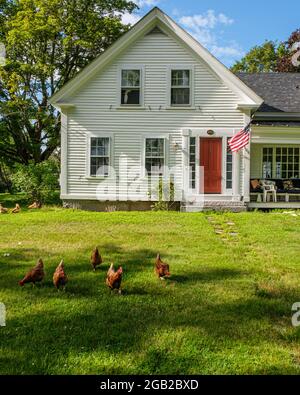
x=280 y=91
x=157 y=18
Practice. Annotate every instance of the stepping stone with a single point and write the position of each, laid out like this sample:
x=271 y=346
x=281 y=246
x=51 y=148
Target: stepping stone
x=219 y=232
x=231 y=223
x=233 y=234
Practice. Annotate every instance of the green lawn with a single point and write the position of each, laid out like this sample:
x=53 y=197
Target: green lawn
x=226 y=309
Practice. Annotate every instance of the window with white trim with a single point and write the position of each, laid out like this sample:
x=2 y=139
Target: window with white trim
x=287 y=162
x=180 y=87
x=155 y=156
x=267 y=162
x=99 y=156
x=281 y=162
x=192 y=163
x=131 y=87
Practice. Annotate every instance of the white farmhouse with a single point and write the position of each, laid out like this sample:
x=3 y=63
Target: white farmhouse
x=151 y=118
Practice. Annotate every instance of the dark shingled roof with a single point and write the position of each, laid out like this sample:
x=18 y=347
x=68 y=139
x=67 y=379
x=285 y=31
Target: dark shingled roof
x=280 y=91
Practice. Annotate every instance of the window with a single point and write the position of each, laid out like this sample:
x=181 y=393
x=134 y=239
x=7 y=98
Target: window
x=192 y=163
x=155 y=156
x=267 y=164
x=228 y=167
x=180 y=87
x=100 y=158
x=287 y=162
x=131 y=87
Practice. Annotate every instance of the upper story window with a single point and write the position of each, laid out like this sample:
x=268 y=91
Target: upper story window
x=155 y=156
x=180 y=87
x=99 y=156
x=131 y=87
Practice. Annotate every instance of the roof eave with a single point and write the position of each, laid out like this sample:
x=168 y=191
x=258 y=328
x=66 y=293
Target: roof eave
x=246 y=94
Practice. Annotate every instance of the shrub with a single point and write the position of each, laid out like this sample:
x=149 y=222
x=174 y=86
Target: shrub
x=163 y=192
x=39 y=182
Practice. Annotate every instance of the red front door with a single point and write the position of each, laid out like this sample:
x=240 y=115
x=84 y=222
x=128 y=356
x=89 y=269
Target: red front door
x=211 y=161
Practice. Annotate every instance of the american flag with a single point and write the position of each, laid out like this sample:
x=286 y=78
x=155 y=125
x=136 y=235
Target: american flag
x=240 y=140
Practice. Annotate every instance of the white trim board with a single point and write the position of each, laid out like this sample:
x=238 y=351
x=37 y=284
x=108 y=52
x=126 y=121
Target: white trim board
x=272 y=141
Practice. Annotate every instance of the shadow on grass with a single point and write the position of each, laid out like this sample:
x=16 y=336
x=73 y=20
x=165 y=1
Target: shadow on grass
x=119 y=325
x=207 y=275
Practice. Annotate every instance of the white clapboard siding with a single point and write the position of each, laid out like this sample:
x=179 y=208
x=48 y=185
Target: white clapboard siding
x=97 y=111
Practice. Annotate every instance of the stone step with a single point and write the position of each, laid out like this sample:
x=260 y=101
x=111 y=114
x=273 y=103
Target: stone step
x=214 y=205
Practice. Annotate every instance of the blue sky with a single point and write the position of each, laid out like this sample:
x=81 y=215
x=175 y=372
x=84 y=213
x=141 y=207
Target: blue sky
x=229 y=28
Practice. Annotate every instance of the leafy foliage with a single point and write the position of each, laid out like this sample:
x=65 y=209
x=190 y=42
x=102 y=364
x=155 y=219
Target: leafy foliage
x=270 y=57
x=165 y=195
x=47 y=43
x=261 y=58
x=38 y=181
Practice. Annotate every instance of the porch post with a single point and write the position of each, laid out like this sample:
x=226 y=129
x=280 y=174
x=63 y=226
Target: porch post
x=246 y=164
x=236 y=174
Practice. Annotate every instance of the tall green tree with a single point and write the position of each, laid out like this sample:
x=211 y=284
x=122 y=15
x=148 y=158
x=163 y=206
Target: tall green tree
x=261 y=58
x=272 y=57
x=47 y=43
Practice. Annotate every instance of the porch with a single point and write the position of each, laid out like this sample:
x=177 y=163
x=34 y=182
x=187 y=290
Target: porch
x=280 y=164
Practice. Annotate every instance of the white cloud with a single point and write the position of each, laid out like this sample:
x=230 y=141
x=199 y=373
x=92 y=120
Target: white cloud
x=147 y=3
x=233 y=51
x=209 y=20
x=207 y=28
x=130 y=18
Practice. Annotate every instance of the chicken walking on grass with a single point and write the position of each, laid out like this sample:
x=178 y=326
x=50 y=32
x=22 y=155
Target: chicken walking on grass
x=114 y=278
x=35 y=275
x=35 y=205
x=96 y=259
x=162 y=269
x=60 y=278
x=3 y=210
x=16 y=210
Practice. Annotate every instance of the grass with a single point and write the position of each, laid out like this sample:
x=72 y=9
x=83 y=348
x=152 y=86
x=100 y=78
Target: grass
x=226 y=309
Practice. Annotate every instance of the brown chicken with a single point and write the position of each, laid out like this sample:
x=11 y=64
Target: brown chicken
x=3 y=210
x=161 y=269
x=60 y=278
x=35 y=205
x=35 y=275
x=96 y=259
x=16 y=210
x=114 y=278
